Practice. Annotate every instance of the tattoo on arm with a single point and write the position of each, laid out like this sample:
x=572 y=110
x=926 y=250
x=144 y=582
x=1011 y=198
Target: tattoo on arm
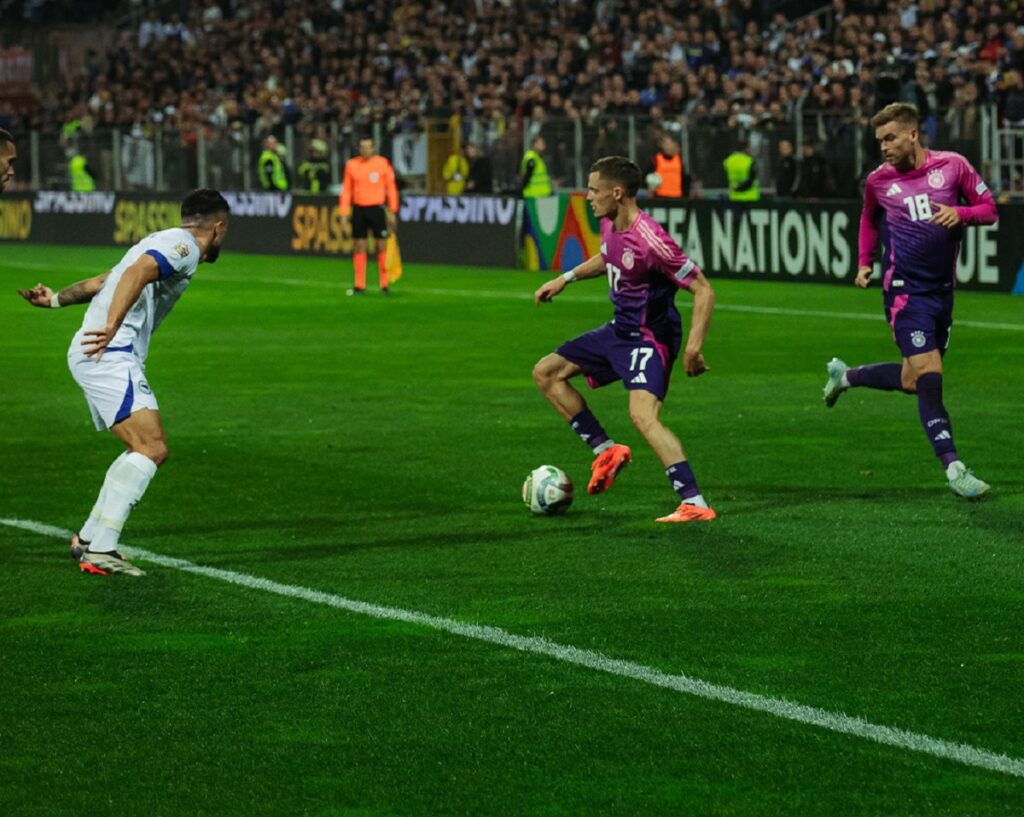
x=81 y=292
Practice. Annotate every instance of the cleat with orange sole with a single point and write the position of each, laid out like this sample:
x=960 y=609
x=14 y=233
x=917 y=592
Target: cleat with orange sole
x=606 y=466
x=85 y=567
x=688 y=512
x=78 y=547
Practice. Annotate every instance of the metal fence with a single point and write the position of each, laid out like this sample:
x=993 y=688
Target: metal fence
x=161 y=157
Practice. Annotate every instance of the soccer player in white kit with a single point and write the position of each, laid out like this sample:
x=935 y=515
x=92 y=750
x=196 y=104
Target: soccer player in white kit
x=107 y=359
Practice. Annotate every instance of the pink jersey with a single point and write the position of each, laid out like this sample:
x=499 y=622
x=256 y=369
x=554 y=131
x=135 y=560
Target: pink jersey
x=645 y=270
x=917 y=255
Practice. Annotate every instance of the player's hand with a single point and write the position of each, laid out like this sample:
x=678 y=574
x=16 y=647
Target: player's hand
x=863 y=279
x=97 y=340
x=40 y=295
x=693 y=362
x=346 y=225
x=549 y=290
x=944 y=215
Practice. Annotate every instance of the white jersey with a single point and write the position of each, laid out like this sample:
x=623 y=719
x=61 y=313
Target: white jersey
x=177 y=255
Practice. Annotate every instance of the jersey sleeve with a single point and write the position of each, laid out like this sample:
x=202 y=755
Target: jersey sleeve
x=867 y=240
x=174 y=256
x=665 y=256
x=981 y=206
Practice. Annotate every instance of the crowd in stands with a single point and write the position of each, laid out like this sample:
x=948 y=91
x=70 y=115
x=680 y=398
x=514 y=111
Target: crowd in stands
x=526 y=63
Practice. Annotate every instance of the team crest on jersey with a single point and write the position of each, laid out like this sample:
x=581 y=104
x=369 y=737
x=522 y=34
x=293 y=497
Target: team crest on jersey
x=917 y=338
x=374 y=176
x=936 y=178
x=627 y=258
x=181 y=249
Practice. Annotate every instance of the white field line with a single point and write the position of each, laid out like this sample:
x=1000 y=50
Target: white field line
x=528 y=296
x=779 y=708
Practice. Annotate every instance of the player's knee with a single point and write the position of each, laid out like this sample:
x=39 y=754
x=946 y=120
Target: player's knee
x=644 y=421
x=544 y=374
x=908 y=380
x=156 y=451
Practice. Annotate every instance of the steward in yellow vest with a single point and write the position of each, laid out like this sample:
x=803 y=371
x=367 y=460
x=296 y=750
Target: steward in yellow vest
x=536 y=181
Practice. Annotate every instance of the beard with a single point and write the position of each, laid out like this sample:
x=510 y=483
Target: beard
x=212 y=254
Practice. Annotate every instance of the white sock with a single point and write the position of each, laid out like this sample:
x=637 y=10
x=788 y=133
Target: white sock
x=92 y=524
x=604 y=447
x=126 y=482
x=697 y=500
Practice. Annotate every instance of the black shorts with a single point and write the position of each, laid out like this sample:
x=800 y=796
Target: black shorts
x=369 y=219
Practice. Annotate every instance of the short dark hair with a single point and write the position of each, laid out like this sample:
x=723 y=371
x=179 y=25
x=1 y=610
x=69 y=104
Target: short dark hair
x=619 y=170
x=902 y=112
x=203 y=202
x=5 y=137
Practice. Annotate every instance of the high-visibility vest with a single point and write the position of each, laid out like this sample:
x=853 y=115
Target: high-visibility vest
x=456 y=170
x=671 y=172
x=737 y=170
x=277 y=178
x=540 y=183
x=312 y=171
x=81 y=180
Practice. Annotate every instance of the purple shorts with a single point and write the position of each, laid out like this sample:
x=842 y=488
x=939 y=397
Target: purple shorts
x=635 y=357
x=920 y=323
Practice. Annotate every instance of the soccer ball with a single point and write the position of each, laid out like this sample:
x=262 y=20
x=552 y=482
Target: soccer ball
x=547 y=490
x=654 y=180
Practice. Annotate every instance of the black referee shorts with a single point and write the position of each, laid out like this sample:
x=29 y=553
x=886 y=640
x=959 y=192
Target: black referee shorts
x=369 y=219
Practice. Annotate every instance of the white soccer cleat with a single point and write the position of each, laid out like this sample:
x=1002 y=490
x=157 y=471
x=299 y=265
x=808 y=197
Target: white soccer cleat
x=107 y=564
x=963 y=483
x=834 y=387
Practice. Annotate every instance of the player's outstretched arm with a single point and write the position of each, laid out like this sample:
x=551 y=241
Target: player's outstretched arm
x=703 y=305
x=591 y=268
x=134 y=279
x=80 y=293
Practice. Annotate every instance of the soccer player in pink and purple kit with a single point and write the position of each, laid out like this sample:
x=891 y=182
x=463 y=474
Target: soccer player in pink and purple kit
x=645 y=269
x=913 y=201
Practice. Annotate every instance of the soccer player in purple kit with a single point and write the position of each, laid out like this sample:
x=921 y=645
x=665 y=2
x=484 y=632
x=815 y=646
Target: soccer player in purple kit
x=912 y=201
x=645 y=268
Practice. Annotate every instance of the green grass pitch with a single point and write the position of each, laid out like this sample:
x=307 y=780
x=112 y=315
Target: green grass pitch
x=374 y=448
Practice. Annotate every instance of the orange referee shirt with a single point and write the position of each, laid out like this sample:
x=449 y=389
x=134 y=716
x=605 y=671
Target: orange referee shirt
x=368 y=183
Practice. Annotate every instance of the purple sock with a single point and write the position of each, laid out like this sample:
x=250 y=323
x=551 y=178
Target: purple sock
x=586 y=425
x=683 y=481
x=934 y=418
x=883 y=376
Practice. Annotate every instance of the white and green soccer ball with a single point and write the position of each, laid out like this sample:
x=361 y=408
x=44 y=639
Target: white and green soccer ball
x=547 y=491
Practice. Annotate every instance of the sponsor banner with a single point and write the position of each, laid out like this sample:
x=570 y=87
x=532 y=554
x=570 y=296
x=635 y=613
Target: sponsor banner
x=478 y=231
x=796 y=241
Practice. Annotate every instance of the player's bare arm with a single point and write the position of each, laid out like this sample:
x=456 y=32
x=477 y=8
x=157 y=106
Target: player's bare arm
x=591 y=268
x=703 y=305
x=135 y=279
x=78 y=293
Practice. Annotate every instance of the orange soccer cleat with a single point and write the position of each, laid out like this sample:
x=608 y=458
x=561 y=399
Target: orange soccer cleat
x=688 y=512
x=606 y=467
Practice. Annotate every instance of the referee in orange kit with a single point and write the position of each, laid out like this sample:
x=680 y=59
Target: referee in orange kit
x=369 y=183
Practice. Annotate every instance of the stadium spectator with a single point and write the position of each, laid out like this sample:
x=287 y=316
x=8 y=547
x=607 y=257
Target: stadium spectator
x=741 y=173
x=813 y=173
x=667 y=169
x=273 y=172
x=786 y=172
x=481 y=174
x=456 y=172
x=536 y=183
x=315 y=172
x=80 y=175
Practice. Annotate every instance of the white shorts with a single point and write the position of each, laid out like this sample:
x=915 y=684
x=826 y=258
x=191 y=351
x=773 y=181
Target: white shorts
x=114 y=387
